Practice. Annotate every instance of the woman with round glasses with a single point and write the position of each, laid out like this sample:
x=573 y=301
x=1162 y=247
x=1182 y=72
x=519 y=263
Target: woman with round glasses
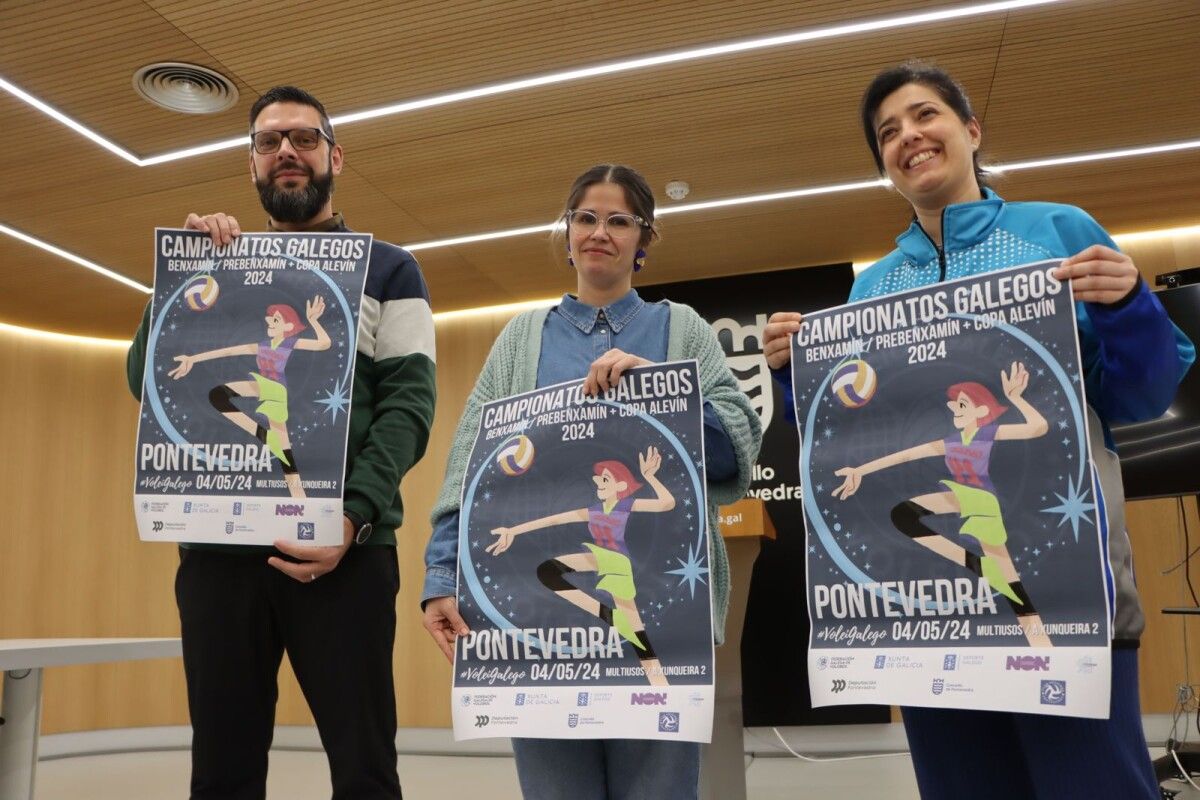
x=609 y=220
x=924 y=137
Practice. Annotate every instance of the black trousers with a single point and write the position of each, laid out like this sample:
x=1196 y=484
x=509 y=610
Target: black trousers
x=238 y=616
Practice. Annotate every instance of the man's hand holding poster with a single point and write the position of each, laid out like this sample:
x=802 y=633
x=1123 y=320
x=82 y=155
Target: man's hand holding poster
x=246 y=397
x=955 y=557
x=583 y=565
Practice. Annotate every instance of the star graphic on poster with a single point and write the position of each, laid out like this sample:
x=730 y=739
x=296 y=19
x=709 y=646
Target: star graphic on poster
x=690 y=571
x=1062 y=424
x=336 y=400
x=1073 y=508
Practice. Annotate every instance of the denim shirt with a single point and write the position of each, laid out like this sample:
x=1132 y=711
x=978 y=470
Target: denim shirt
x=576 y=334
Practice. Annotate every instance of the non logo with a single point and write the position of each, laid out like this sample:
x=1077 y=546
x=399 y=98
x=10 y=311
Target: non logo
x=648 y=699
x=1028 y=663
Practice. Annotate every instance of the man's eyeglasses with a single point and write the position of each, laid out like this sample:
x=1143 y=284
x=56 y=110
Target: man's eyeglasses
x=268 y=142
x=616 y=224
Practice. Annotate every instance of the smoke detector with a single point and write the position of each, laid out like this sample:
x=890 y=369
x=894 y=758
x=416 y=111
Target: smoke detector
x=677 y=190
x=187 y=88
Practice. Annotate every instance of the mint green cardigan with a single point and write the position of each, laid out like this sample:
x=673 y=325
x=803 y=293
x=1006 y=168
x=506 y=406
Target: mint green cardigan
x=511 y=368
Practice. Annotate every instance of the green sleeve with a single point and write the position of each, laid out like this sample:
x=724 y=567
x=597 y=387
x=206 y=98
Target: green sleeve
x=406 y=391
x=135 y=359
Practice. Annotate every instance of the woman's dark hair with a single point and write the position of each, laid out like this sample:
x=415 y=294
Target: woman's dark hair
x=637 y=193
x=925 y=74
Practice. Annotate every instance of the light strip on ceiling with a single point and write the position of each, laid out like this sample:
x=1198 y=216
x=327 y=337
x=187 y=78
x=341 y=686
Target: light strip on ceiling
x=1106 y=155
x=78 y=127
x=565 y=76
x=69 y=256
x=64 y=338
x=819 y=190
x=689 y=207
x=1165 y=233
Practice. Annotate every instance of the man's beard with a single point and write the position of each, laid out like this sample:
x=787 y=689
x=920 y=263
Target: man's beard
x=295 y=205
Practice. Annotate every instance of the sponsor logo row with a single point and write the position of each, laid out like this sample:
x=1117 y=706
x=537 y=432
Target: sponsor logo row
x=951 y=662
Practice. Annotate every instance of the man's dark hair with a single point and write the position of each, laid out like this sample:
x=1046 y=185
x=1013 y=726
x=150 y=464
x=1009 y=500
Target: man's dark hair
x=290 y=94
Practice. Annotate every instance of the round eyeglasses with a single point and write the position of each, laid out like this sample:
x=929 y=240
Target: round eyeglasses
x=268 y=142
x=616 y=224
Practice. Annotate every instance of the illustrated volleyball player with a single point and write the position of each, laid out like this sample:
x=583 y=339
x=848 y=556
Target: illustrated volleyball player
x=608 y=555
x=270 y=383
x=970 y=493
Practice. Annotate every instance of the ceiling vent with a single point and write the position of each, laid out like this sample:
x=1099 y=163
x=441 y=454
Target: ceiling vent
x=186 y=88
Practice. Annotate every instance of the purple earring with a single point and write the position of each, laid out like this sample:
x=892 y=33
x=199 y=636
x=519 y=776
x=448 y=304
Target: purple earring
x=570 y=260
x=639 y=260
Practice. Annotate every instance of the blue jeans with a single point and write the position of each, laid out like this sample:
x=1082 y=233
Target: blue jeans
x=607 y=769
x=990 y=755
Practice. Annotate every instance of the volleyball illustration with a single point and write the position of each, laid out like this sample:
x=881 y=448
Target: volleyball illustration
x=854 y=383
x=515 y=456
x=201 y=293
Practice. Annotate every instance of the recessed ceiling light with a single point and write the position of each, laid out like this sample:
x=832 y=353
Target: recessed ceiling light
x=187 y=88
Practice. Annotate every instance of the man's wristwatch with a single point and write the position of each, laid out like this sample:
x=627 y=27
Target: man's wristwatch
x=362 y=528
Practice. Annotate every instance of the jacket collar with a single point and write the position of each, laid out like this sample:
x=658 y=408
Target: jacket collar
x=963 y=225
x=618 y=313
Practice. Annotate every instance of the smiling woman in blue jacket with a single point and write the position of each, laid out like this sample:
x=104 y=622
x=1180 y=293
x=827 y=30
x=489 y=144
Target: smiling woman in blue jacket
x=924 y=137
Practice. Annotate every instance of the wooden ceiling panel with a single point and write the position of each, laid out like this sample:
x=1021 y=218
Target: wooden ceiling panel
x=80 y=58
x=741 y=137
x=49 y=168
x=1048 y=100
x=38 y=290
x=419 y=48
x=1147 y=193
x=1071 y=77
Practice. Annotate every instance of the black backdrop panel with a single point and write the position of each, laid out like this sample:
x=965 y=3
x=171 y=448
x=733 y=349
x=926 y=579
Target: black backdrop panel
x=774 y=668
